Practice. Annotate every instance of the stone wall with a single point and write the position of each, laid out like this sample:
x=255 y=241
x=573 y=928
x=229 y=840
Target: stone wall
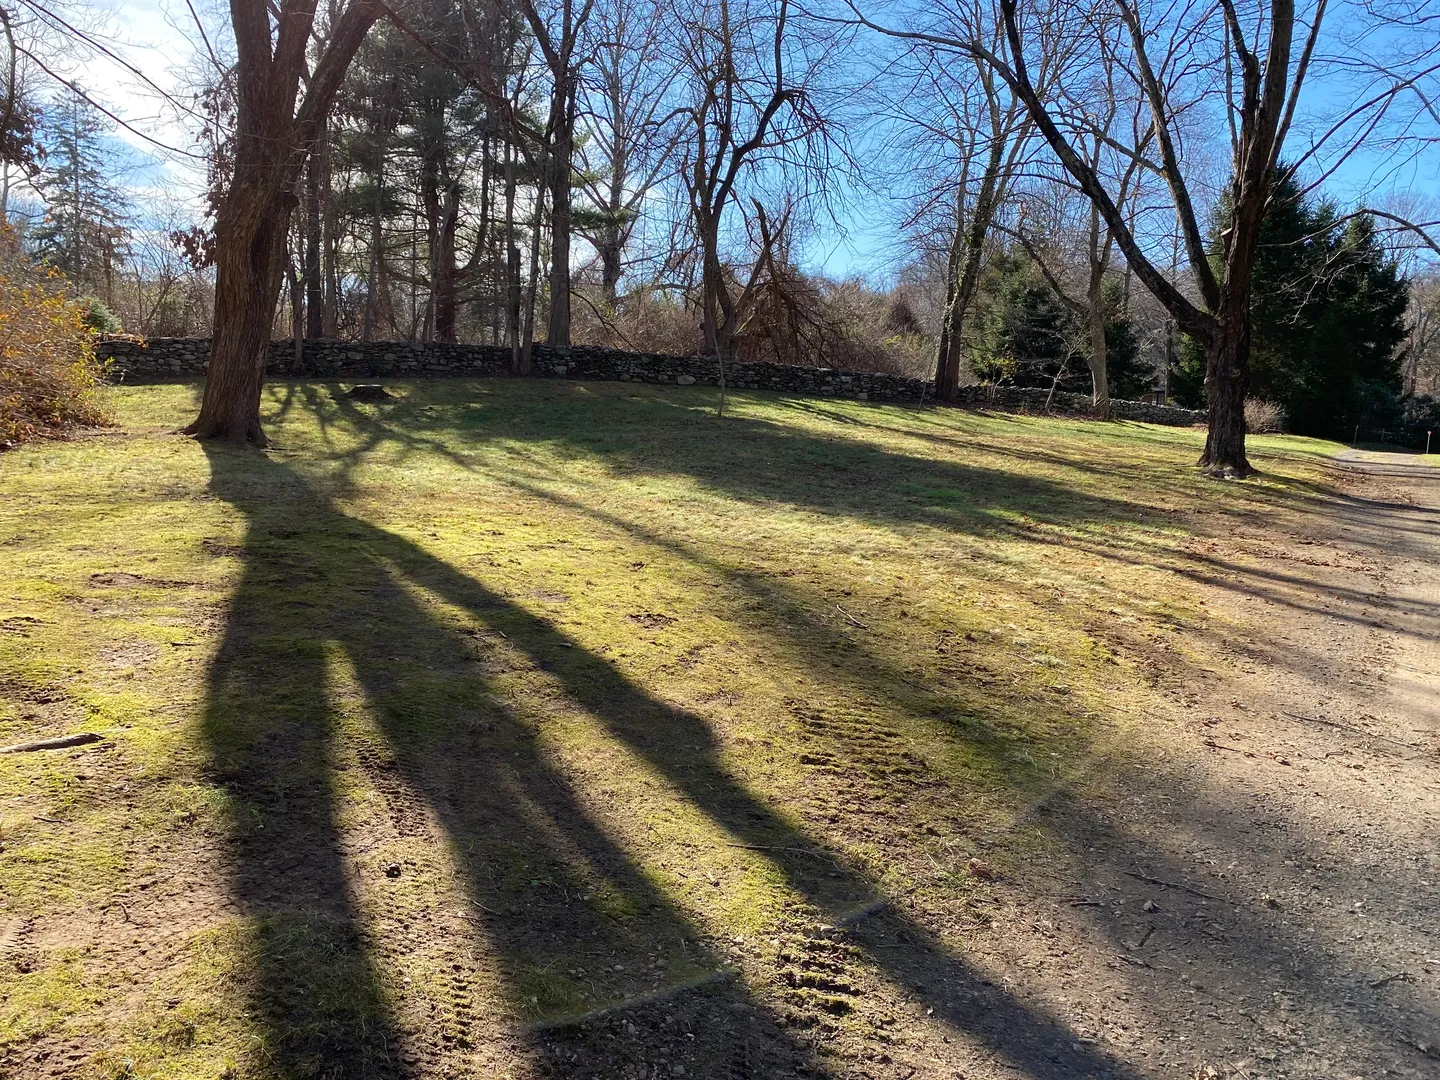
x=170 y=358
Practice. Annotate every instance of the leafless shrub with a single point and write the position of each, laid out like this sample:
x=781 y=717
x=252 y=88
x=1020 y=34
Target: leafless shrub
x=1263 y=417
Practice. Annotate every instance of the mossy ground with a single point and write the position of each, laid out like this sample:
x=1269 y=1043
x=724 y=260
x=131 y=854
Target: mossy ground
x=452 y=718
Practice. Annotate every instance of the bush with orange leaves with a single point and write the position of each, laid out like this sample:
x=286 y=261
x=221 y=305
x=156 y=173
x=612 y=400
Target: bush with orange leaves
x=48 y=368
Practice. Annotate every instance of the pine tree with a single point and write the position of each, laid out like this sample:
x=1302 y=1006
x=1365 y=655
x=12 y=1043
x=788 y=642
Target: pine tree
x=85 y=228
x=1327 y=319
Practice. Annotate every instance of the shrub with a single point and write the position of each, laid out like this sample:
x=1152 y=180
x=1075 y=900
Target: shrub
x=48 y=369
x=98 y=317
x=1263 y=417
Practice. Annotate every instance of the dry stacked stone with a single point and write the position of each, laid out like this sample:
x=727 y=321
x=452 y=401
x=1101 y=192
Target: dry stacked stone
x=159 y=359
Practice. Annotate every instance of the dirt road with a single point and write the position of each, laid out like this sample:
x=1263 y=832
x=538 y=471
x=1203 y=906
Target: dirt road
x=1260 y=900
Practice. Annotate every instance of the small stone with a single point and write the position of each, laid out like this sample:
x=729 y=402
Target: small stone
x=392 y=870
x=1149 y=905
x=684 y=380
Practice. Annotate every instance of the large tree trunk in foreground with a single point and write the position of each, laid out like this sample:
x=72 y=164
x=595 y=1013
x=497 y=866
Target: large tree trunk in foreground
x=273 y=138
x=1227 y=363
x=249 y=264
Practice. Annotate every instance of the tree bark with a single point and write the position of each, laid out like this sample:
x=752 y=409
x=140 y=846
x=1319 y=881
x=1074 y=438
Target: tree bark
x=1099 y=350
x=562 y=153
x=250 y=233
x=273 y=138
x=1227 y=361
x=314 y=285
x=947 y=352
x=330 y=270
x=972 y=235
x=609 y=247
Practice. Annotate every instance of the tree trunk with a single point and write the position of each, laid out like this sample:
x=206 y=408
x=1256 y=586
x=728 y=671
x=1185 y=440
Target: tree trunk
x=273 y=138
x=609 y=247
x=561 y=154
x=250 y=236
x=712 y=282
x=1227 y=362
x=330 y=272
x=947 y=353
x=527 y=341
x=1095 y=320
x=445 y=283
x=297 y=318
x=314 y=286
x=372 y=276
x=512 y=306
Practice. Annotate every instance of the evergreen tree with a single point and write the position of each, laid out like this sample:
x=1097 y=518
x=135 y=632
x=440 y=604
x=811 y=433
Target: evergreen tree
x=1327 y=320
x=1024 y=334
x=84 y=232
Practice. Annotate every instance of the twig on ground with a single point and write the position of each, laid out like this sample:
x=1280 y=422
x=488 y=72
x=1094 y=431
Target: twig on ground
x=116 y=903
x=1169 y=885
x=1221 y=746
x=1353 y=730
x=852 y=618
x=1134 y=960
x=49 y=820
x=1399 y=975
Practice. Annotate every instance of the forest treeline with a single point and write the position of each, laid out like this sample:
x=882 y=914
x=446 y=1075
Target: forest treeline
x=661 y=176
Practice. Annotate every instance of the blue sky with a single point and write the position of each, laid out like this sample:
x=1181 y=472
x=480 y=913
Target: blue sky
x=156 y=36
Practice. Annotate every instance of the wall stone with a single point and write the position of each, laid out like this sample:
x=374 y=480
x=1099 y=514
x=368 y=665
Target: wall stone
x=170 y=358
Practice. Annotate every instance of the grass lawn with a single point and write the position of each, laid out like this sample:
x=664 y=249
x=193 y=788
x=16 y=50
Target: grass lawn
x=452 y=720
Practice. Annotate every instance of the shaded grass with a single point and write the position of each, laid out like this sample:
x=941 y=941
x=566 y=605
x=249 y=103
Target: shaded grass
x=508 y=700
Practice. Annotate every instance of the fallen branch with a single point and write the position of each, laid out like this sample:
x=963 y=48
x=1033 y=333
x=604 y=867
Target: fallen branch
x=852 y=618
x=78 y=739
x=1170 y=885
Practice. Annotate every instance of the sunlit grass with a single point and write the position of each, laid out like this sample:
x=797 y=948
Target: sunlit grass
x=549 y=691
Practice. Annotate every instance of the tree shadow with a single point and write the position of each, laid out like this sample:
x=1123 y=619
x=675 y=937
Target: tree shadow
x=572 y=930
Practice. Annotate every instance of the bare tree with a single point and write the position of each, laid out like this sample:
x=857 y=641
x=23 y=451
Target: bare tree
x=1187 y=61
x=964 y=115
x=625 y=96
x=1049 y=214
x=275 y=126
x=744 y=109
x=558 y=33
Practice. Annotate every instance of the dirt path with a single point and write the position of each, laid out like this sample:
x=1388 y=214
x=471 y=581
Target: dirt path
x=1260 y=900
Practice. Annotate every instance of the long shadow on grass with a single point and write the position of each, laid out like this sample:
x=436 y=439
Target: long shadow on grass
x=1256 y=946
x=570 y=918
x=768 y=464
